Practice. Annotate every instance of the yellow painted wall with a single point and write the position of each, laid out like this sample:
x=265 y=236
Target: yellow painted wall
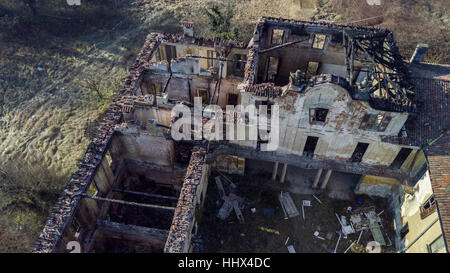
x=410 y=212
x=376 y=180
x=416 y=226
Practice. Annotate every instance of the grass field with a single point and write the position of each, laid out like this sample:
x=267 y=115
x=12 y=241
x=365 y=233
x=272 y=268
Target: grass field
x=50 y=59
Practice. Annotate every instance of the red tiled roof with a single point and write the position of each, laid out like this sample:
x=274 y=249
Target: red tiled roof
x=430 y=130
x=438 y=156
x=433 y=117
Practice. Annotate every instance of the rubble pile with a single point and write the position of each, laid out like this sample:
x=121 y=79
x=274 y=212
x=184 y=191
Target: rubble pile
x=231 y=201
x=354 y=222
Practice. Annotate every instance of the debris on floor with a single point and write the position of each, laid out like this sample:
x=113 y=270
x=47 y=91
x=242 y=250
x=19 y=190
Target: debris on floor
x=291 y=249
x=373 y=247
x=305 y=203
x=316 y=233
x=318 y=200
x=220 y=187
x=288 y=205
x=231 y=201
x=238 y=211
x=364 y=218
x=333 y=226
x=358 y=248
x=225 y=210
x=337 y=243
x=269 y=212
x=348 y=248
x=329 y=235
x=376 y=233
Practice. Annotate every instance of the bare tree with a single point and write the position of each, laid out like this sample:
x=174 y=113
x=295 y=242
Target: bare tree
x=93 y=85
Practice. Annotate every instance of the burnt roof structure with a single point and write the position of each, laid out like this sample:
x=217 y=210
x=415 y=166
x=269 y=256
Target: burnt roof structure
x=386 y=85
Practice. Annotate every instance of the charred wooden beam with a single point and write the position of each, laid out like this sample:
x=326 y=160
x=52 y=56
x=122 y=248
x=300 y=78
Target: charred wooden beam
x=282 y=45
x=147 y=194
x=217 y=87
x=127 y=203
x=215 y=59
x=166 y=85
x=139 y=233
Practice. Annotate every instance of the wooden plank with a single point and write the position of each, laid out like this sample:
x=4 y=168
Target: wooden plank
x=288 y=204
x=225 y=210
x=238 y=212
x=147 y=194
x=282 y=45
x=291 y=249
x=376 y=233
x=220 y=187
x=128 y=203
x=140 y=233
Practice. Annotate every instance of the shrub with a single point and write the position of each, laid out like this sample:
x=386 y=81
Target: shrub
x=220 y=22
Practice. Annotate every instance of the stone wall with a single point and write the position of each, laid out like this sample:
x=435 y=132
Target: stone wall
x=191 y=198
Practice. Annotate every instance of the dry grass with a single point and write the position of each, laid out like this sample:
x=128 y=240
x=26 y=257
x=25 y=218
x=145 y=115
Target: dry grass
x=27 y=194
x=167 y=14
x=413 y=22
x=44 y=114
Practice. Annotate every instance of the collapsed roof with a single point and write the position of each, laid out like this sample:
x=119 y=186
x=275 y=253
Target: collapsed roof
x=374 y=69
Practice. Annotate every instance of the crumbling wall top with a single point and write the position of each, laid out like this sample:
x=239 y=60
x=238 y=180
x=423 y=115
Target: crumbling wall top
x=185 y=212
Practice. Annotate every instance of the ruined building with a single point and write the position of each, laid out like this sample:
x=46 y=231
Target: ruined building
x=348 y=104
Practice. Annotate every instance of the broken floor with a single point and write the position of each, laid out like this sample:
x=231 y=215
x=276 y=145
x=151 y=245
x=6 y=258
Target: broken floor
x=268 y=233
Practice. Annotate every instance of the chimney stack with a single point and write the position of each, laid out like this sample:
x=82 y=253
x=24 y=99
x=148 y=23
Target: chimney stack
x=188 y=29
x=418 y=54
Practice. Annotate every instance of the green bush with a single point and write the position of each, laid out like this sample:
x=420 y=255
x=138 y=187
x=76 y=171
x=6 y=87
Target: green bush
x=220 y=22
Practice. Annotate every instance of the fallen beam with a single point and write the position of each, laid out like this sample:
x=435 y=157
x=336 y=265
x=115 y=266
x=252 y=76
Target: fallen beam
x=216 y=59
x=282 y=45
x=147 y=194
x=128 y=203
x=138 y=232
